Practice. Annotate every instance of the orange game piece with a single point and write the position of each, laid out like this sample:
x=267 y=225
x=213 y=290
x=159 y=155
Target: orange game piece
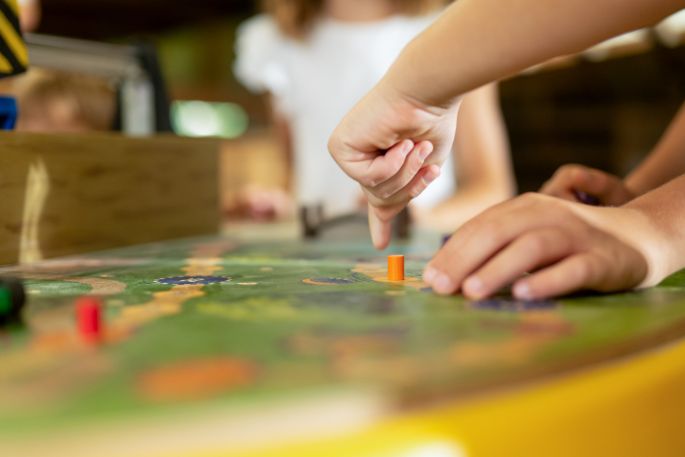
x=396 y=267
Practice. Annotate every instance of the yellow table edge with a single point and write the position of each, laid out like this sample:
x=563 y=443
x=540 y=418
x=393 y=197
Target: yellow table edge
x=633 y=406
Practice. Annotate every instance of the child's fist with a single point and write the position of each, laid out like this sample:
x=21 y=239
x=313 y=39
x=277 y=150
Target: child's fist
x=394 y=147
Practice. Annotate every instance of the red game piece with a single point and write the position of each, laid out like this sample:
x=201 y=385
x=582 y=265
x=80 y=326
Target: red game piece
x=88 y=315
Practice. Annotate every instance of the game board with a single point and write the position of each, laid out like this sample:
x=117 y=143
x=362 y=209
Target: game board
x=213 y=327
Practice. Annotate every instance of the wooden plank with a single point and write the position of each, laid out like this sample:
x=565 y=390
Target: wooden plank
x=64 y=193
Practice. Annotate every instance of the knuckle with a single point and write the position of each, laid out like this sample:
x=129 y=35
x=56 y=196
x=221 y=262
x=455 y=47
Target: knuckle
x=416 y=190
x=395 y=164
x=530 y=197
x=579 y=174
x=566 y=171
x=535 y=245
x=368 y=181
x=565 y=240
x=415 y=165
x=551 y=185
x=584 y=269
x=602 y=179
x=563 y=170
x=374 y=179
x=491 y=229
x=387 y=193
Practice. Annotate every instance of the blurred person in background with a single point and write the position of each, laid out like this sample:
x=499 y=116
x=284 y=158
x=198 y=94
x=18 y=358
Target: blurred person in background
x=29 y=15
x=315 y=59
x=57 y=101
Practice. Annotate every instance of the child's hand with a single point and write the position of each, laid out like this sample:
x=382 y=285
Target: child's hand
x=394 y=147
x=570 y=180
x=564 y=246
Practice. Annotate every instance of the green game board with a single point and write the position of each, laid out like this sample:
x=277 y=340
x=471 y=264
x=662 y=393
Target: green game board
x=214 y=322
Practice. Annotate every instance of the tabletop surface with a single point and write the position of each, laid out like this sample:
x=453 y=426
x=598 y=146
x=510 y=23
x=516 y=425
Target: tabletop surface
x=213 y=323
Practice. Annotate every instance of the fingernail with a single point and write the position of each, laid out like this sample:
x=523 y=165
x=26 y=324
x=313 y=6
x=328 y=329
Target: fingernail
x=407 y=147
x=429 y=275
x=429 y=177
x=424 y=152
x=443 y=284
x=380 y=244
x=522 y=291
x=473 y=286
x=432 y=172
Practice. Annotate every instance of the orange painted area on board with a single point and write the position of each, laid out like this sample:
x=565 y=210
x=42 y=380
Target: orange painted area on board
x=196 y=379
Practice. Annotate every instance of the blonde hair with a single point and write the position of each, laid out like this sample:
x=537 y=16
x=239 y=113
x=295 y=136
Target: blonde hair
x=87 y=100
x=295 y=17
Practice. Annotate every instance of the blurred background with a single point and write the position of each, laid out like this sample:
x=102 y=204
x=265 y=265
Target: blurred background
x=605 y=108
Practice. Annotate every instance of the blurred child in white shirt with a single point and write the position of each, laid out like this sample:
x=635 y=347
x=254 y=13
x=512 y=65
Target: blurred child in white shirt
x=316 y=59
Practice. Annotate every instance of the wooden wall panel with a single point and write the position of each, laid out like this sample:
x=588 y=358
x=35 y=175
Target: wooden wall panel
x=64 y=193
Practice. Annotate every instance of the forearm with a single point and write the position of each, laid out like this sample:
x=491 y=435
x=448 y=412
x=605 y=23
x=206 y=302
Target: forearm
x=666 y=161
x=664 y=208
x=478 y=41
x=662 y=236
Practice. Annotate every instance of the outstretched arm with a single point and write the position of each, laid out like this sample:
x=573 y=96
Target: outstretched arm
x=395 y=139
x=666 y=161
x=479 y=41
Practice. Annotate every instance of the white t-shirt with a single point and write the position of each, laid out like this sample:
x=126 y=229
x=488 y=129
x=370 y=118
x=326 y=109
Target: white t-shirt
x=315 y=82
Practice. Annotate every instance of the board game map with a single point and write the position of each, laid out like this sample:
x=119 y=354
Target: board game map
x=226 y=325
